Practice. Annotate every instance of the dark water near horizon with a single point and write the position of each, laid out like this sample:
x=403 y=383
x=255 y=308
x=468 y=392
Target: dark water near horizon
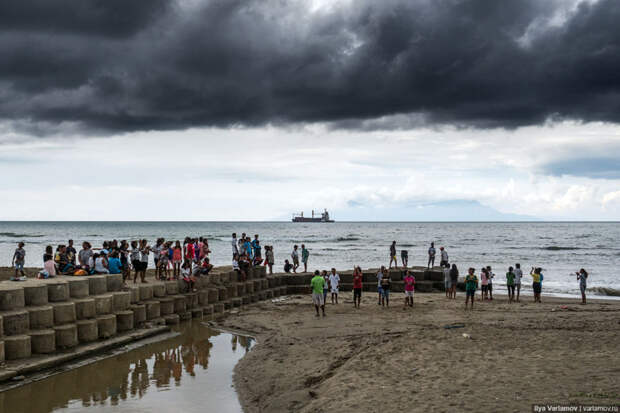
x=560 y=248
x=191 y=373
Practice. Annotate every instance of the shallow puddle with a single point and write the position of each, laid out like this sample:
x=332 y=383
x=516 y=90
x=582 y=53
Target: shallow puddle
x=189 y=373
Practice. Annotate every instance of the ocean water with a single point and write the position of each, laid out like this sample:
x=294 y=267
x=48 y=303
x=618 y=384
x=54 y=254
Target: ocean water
x=560 y=248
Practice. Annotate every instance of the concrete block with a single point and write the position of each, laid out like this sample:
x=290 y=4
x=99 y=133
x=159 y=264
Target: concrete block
x=78 y=287
x=43 y=341
x=182 y=286
x=57 y=291
x=434 y=275
x=172 y=319
x=254 y=297
x=2 y=354
x=218 y=307
x=262 y=295
x=15 y=322
x=222 y=293
x=35 y=293
x=232 y=291
x=227 y=305
x=139 y=314
x=146 y=292
x=1 y=327
x=236 y=302
x=268 y=294
x=166 y=306
x=207 y=310
x=121 y=300
x=245 y=300
x=203 y=297
x=249 y=287
x=196 y=312
x=87 y=330
x=124 y=320
x=135 y=293
x=103 y=304
x=172 y=287
x=271 y=282
x=64 y=312
x=66 y=336
x=85 y=308
x=159 y=290
x=158 y=321
x=185 y=316
x=97 y=284
x=424 y=286
x=114 y=282
x=11 y=297
x=275 y=291
x=180 y=303
x=191 y=300
x=257 y=285
x=106 y=324
x=153 y=309
x=17 y=347
x=240 y=289
x=213 y=295
x=41 y=317
x=260 y=271
x=264 y=284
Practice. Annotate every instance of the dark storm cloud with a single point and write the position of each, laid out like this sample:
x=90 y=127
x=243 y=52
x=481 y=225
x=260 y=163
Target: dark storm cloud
x=141 y=65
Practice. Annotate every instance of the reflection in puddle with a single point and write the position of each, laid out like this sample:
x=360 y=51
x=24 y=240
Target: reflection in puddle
x=189 y=373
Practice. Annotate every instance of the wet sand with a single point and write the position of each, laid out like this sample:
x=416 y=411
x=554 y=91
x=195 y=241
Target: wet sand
x=385 y=360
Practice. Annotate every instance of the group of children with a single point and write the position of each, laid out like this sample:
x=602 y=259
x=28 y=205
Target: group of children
x=247 y=252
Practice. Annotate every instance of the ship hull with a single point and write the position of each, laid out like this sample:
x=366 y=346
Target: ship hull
x=302 y=219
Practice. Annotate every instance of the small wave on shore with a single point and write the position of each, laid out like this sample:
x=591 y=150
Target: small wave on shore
x=556 y=248
x=16 y=235
x=612 y=292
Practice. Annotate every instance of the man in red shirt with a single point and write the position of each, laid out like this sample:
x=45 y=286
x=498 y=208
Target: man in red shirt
x=357 y=286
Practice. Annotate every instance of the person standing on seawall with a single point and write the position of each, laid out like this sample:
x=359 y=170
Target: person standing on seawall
x=393 y=255
x=295 y=258
x=431 y=256
x=305 y=254
x=582 y=276
x=444 y=257
x=234 y=244
x=404 y=258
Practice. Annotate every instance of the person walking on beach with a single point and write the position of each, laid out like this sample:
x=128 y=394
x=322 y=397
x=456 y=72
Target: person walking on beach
x=19 y=258
x=357 y=286
x=334 y=280
x=490 y=276
x=444 y=256
x=484 y=290
x=518 y=276
x=510 y=283
x=305 y=254
x=582 y=276
x=536 y=283
x=471 y=285
x=454 y=279
x=404 y=258
x=431 y=256
x=325 y=276
x=317 y=283
x=379 y=278
x=409 y=288
x=393 y=255
x=295 y=258
x=386 y=283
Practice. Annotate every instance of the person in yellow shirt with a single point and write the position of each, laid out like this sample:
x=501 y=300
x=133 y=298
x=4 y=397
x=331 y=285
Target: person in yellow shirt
x=536 y=283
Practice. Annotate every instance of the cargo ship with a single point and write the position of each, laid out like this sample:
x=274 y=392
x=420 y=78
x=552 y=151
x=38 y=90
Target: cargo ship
x=323 y=218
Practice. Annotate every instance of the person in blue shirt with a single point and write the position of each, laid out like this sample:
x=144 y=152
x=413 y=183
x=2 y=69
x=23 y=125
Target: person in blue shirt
x=247 y=246
x=114 y=263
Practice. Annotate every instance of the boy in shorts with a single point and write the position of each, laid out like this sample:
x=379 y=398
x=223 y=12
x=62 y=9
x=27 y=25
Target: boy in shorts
x=471 y=284
x=317 y=284
x=19 y=258
x=404 y=257
x=334 y=280
x=409 y=288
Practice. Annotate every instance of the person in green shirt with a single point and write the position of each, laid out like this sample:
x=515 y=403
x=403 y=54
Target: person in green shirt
x=304 y=257
x=510 y=283
x=317 y=283
x=471 y=285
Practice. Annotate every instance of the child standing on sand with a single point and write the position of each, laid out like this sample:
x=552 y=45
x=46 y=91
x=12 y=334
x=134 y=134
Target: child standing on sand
x=471 y=285
x=536 y=283
x=510 y=283
x=386 y=283
x=409 y=288
x=334 y=280
x=325 y=285
x=582 y=276
x=318 y=285
x=518 y=276
x=484 y=291
x=357 y=287
x=454 y=279
x=490 y=276
x=19 y=258
x=379 y=278
x=134 y=257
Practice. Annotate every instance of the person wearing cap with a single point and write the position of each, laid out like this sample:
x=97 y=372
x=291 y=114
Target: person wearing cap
x=444 y=257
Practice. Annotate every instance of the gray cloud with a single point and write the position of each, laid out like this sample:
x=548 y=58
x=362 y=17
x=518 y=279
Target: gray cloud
x=142 y=65
x=591 y=167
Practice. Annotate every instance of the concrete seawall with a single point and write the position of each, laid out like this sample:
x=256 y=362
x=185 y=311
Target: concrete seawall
x=44 y=323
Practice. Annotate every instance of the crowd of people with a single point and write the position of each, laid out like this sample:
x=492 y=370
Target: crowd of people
x=190 y=259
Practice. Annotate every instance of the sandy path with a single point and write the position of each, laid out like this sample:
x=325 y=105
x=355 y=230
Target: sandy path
x=385 y=360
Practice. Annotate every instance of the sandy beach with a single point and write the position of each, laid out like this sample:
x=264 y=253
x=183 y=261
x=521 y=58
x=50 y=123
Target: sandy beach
x=386 y=360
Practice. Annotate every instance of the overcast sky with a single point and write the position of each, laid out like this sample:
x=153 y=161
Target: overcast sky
x=254 y=109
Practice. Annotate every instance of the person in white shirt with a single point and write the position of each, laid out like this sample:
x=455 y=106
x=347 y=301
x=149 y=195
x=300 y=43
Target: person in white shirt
x=234 y=244
x=518 y=275
x=295 y=258
x=444 y=257
x=334 y=280
x=490 y=275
